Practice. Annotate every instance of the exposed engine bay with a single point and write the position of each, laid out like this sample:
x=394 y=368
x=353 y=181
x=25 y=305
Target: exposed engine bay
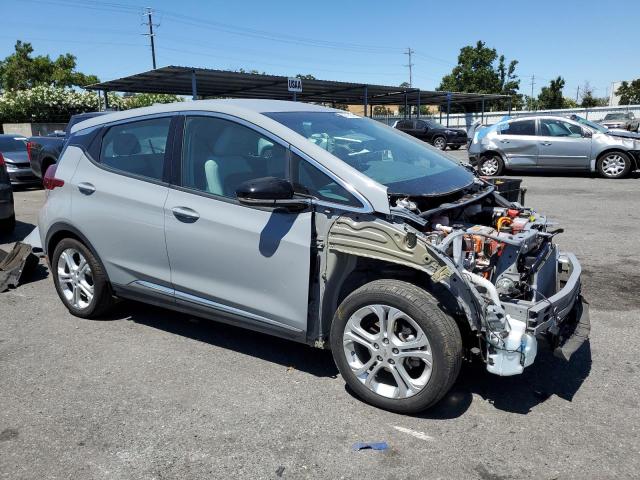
x=498 y=259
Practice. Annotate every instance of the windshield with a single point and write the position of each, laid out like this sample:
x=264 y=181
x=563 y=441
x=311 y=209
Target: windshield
x=615 y=116
x=434 y=124
x=597 y=127
x=13 y=144
x=404 y=164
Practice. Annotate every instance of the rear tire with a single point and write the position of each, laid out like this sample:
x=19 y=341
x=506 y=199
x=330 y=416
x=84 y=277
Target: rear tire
x=8 y=225
x=614 y=165
x=395 y=347
x=80 y=280
x=491 y=165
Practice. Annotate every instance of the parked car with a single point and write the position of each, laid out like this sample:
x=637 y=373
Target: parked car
x=554 y=143
x=315 y=225
x=7 y=213
x=432 y=132
x=14 y=150
x=621 y=120
x=44 y=151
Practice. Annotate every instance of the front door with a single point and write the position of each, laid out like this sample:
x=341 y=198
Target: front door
x=517 y=142
x=562 y=145
x=225 y=257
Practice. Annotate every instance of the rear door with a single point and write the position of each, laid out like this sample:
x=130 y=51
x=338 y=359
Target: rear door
x=118 y=199
x=562 y=145
x=517 y=141
x=226 y=258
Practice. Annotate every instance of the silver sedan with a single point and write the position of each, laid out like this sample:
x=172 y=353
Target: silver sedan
x=554 y=143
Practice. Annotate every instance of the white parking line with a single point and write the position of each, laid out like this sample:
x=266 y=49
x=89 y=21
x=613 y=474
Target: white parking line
x=414 y=433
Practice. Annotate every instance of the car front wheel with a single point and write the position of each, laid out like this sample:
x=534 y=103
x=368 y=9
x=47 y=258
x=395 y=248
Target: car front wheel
x=80 y=280
x=614 y=165
x=440 y=143
x=395 y=347
x=490 y=166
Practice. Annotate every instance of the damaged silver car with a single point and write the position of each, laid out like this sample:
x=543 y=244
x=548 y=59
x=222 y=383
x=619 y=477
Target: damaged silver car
x=315 y=225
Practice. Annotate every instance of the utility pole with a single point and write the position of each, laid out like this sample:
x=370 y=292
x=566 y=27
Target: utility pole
x=577 y=93
x=410 y=52
x=151 y=35
x=533 y=82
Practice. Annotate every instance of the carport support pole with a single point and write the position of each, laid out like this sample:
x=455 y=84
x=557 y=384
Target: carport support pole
x=295 y=97
x=194 y=85
x=366 y=100
x=106 y=100
x=509 y=106
x=448 y=108
x=482 y=112
x=418 y=104
x=405 y=105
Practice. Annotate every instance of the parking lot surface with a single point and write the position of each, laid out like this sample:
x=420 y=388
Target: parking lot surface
x=152 y=394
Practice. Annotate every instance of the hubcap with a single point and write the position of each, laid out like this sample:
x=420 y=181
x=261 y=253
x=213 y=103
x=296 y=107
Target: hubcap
x=75 y=278
x=387 y=351
x=489 y=166
x=439 y=143
x=613 y=165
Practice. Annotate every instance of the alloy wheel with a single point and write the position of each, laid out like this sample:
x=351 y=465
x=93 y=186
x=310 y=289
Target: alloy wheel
x=613 y=165
x=387 y=351
x=440 y=143
x=490 y=166
x=75 y=278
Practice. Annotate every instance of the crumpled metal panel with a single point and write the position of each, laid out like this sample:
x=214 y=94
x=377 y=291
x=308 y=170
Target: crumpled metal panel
x=15 y=264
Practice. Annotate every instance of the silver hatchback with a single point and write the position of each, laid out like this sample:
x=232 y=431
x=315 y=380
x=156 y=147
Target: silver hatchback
x=554 y=143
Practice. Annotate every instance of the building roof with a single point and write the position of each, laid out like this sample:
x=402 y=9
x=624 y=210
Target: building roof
x=223 y=83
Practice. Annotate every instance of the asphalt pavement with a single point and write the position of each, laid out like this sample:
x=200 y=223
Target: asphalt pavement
x=151 y=394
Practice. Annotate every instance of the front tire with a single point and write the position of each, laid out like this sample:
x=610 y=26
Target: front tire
x=440 y=142
x=395 y=347
x=80 y=280
x=614 y=165
x=491 y=165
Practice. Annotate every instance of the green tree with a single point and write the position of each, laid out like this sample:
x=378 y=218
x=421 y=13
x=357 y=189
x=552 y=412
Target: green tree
x=308 y=76
x=629 y=92
x=551 y=96
x=21 y=70
x=481 y=70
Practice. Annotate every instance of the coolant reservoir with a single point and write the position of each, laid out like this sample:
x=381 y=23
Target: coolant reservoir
x=514 y=352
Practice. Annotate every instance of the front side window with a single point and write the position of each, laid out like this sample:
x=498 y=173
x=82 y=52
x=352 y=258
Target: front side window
x=309 y=180
x=558 y=128
x=404 y=164
x=137 y=148
x=520 y=127
x=218 y=155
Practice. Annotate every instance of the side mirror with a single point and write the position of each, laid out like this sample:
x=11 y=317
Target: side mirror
x=270 y=192
x=586 y=133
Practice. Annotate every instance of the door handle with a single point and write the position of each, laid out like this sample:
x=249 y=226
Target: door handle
x=185 y=214
x=86 y=188
x=505 y=141
x=546 y=144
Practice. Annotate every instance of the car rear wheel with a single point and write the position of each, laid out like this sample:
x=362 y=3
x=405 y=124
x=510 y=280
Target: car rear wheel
x=80 y=280
x=614 y=165
x=440 y=142
x=491 y=165
x=395 y=347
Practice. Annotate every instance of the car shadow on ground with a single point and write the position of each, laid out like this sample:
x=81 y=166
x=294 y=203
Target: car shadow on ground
x=266 y=347
x=19 y=233
x=518 y=394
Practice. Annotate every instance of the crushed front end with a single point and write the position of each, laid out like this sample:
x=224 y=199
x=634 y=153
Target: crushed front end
x=520 y=285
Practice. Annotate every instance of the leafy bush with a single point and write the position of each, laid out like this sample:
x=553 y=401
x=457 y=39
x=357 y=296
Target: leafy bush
x=55 y=104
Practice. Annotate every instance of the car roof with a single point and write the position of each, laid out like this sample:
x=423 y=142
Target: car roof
x=231 y=106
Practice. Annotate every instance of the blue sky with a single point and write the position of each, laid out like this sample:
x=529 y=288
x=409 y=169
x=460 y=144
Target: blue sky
x=586 y=40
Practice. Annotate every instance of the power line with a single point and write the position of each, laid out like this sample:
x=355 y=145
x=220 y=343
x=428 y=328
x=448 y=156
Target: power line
x=409 y=52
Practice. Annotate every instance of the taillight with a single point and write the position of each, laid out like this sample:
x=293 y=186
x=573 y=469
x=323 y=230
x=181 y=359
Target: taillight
x=30 y=146
x=49 y=182
x=2 y=164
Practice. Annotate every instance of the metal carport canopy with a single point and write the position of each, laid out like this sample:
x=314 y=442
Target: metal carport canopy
x=205 y=82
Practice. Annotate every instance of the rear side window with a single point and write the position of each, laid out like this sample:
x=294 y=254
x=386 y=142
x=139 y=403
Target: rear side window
x=522 y=127
x=137 y=148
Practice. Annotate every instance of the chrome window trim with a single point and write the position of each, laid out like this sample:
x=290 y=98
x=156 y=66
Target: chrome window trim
x=366 y=206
